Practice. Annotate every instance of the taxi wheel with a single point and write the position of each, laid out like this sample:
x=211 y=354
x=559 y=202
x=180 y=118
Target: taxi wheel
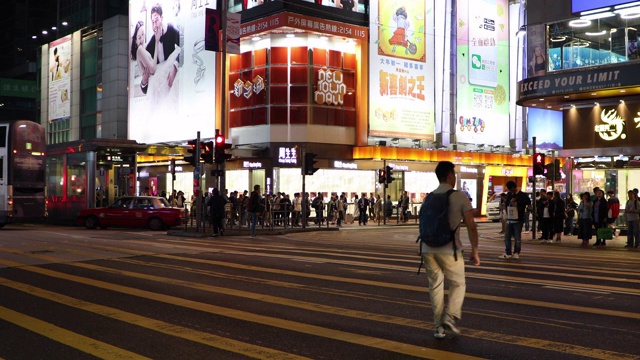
x=155 y=224
x=91 y=222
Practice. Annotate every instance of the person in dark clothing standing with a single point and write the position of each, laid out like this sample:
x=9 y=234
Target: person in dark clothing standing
x=363 y=204
x=544 y=216
x=216 y=209
x=600 y=212
x=558 y=215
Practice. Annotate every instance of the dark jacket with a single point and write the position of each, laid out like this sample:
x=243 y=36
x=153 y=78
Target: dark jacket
x=522 y=200
x=169 y=40
x=603 y=210
x=541 y=204
x=216 y=206
x=255 y=203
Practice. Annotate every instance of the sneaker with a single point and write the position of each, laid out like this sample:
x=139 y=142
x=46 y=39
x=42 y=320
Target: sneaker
x=439 y=333
x=449 y=323
x=504 y=256
x=516 y=256
x=214 y=235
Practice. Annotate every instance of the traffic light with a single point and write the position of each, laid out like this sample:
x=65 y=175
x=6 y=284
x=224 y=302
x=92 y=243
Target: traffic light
x=309 y=163
x=552 y=170
x=538 y=164
x=206 y=151
x=220 y=149
x=381 y=176
x=388 y=175
x=191 y=153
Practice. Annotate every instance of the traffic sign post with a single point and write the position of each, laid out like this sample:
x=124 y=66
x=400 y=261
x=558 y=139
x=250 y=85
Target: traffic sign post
x=196 y=185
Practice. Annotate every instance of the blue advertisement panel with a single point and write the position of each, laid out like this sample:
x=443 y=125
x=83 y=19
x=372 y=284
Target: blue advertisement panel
x=546 y=126
x=585 y=5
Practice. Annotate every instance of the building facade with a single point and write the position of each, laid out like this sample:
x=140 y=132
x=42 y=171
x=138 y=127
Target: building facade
x=581 y=63
x=420 y=83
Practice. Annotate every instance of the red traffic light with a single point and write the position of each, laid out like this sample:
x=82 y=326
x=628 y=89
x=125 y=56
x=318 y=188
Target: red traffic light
x=538 y=164
x=219 y=140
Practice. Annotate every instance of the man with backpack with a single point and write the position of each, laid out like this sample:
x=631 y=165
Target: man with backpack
x=440 y=247
x=516 y=203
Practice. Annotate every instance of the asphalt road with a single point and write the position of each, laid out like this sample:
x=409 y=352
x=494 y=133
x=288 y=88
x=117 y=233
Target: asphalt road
x=72 y=293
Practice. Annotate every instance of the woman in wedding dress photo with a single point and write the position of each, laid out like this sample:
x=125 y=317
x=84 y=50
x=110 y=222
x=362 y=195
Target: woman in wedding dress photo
x=147 y=67
x=154 y=77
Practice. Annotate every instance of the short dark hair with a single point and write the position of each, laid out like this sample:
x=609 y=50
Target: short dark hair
x=511 y=185
x=157 y=8
x=443 y=169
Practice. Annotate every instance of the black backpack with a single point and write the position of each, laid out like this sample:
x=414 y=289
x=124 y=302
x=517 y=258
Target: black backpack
x=435 y=230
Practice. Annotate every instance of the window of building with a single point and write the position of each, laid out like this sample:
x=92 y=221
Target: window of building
x=579 y=43
x=90 y=84
x=58 y=131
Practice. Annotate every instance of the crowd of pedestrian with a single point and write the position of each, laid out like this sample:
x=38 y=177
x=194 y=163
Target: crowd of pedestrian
x=596 y=215
x=227 y=209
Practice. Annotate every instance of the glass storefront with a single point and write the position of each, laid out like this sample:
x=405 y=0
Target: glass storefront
x=585 y=42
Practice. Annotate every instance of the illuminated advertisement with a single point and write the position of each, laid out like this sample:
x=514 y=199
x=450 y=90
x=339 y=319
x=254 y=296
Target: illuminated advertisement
x=546 y=126
x=401 y=76
x=584 y=5
x=171 y=78
x=60 y=79
x=602 y=126
x=358 y=6
x=483 y=72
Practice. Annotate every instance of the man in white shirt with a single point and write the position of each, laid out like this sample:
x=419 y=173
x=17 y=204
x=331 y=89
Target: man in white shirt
x=440 y=262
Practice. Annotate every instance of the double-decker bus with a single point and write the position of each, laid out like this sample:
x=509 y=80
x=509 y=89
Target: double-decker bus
x=22 y=172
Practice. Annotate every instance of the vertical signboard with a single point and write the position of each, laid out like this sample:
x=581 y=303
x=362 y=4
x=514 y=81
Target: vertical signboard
x=402 y=70
x=483 y=72
x=60 y=79
x=172 y=85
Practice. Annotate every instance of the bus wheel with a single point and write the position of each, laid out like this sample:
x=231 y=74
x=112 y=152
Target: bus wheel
x=91 y=222
x=155 y=224
x=1 y=225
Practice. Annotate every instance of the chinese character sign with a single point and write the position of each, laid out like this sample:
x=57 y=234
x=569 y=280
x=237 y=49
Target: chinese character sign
x=401 y=101
x=483 y=72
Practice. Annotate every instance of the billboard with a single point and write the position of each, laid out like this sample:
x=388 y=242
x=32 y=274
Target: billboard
x=585 y=5
x=348 y=6
x=60 y=79
x=171 y=85
x=546 y=126
x=483 y=72
x=402 y=70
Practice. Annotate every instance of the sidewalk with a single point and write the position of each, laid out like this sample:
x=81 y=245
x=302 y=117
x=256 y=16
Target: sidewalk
x=617 y=243
x=190 y=230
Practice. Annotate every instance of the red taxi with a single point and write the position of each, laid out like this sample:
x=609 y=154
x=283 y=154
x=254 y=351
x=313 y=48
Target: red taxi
x=133 y=211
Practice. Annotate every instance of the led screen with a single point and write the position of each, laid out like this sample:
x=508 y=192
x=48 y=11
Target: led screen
x=483 y=72
x=584 y=5
x=546 y=126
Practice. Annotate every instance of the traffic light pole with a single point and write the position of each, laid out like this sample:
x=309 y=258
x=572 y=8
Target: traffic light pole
x=534 y=210
x=196 y=185
x=384 y=194
x=304 y=185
